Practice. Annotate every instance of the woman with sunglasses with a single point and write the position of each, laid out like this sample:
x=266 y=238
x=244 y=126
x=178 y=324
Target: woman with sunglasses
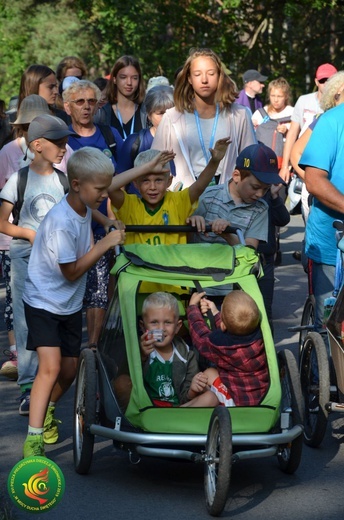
x=125 y=94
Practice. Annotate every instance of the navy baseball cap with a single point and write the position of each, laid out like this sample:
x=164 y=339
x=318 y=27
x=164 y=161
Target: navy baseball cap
x=261 y=161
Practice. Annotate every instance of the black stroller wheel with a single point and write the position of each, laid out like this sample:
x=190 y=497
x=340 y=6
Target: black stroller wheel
x=218 y=464
x=289 y=456
x=315 y=384
x=84 y=411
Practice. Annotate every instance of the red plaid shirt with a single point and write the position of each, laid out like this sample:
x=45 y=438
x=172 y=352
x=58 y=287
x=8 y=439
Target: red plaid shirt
x=240 y=360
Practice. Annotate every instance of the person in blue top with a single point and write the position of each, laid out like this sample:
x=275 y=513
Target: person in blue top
x=322 y=161
x=81 y=102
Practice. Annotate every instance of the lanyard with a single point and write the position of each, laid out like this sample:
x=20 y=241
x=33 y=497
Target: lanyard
x=119 y=117
x=200 y=135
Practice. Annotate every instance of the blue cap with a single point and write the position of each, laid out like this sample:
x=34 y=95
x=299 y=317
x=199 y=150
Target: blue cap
x=261 y=161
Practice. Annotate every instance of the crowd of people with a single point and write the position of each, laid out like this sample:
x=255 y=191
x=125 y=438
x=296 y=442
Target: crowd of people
x=79 y=156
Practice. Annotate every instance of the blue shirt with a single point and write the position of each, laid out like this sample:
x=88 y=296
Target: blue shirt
x=325 y=150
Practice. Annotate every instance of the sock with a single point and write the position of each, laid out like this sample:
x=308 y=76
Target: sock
x=28 y=386
x=51 y=404
x=13 y=348
x=35 y=431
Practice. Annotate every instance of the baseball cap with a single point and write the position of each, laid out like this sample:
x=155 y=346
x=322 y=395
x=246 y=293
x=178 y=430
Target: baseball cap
x=261 y=161
x=68 y=81
x=252 y=75
x=325 y=71
x=49 y=127
x=31 y=107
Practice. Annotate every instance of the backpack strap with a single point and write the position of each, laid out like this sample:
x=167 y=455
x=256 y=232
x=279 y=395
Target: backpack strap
x=22 y=181
x=109 y=138
x=263 y=112
x=21 y=186
x=135 y=147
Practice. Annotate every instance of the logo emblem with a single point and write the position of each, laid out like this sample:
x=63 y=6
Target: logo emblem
x=36 y=484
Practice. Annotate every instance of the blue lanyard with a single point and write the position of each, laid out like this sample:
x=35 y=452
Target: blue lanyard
x=119 y=117
x=206 y=153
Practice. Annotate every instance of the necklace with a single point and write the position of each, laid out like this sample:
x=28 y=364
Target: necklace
x=206 y=153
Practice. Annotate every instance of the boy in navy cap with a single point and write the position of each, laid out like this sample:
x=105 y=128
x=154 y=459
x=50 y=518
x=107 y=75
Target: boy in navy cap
x=240 y=202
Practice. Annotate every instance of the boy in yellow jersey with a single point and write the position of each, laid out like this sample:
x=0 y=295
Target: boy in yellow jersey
x=157 y=205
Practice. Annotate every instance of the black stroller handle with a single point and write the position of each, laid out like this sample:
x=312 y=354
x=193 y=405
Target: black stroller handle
x=181 y=229
x=176 y=229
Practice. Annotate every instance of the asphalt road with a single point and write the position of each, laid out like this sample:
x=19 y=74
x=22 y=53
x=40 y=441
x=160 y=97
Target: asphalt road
x=169 y=490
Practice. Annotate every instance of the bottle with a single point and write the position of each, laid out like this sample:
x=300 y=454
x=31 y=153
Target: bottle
x=328 y=306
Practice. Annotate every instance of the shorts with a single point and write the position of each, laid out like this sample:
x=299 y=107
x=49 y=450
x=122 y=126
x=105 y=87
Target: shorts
x=46 y=329
x=222 y=393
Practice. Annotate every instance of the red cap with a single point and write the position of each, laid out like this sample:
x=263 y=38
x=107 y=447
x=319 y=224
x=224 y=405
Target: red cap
x=325 y=71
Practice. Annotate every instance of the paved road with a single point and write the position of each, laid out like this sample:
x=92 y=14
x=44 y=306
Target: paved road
x=169 y=490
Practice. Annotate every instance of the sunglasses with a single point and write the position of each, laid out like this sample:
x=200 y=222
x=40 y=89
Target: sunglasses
x=322 y=81
x=80 y=102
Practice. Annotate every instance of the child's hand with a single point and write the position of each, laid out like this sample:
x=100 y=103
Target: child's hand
x=196 y=298
x=157 y=164
x=146 y=345
x=219 y=225
x=207 y=305
x=220 y=149
x=198 y=222
x=199 y=383
x=114 y=238
x=118 y=224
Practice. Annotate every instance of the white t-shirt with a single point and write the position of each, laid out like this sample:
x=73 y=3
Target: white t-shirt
x=305 y=110
x=64 y=236
x=42 y=192
x=257 y=117
x=197 y=158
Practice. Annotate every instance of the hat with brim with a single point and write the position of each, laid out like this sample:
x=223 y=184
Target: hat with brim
x=254 y=75
x=31 y=107
x=261 y=161
x=48 y=127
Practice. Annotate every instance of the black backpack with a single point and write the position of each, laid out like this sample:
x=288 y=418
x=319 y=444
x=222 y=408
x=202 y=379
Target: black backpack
x=22 y=182
x=267 y=133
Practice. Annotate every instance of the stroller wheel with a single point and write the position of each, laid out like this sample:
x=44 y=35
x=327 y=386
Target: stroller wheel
x=84 y=411
x=307 y=320
x=289 y=456
x=315 y=384
x=218 y=464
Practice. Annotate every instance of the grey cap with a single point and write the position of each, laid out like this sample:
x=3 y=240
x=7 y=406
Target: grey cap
x=31 y=107
x=157 y=80
x=49 y=127
x=252 y=75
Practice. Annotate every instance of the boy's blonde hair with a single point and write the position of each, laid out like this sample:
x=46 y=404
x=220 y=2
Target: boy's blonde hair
x=160 y=300
x=87 y=162
x=147 y=156
x=240 y=313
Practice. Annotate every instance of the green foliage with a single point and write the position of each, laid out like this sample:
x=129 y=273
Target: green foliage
x=284 y=37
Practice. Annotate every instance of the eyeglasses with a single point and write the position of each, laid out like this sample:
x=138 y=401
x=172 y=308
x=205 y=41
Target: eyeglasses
x=80 y=102
x=322 y=81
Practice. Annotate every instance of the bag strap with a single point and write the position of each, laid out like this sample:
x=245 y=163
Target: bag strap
x=21 y=187
x=109 y=138
x=263 y=112
x=135 y=147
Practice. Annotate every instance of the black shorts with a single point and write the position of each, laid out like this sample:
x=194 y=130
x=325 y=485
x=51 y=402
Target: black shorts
x=46 y=329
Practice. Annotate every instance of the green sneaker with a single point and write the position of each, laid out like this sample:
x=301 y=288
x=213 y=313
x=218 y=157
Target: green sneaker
x=34 y=446
x=51 y=432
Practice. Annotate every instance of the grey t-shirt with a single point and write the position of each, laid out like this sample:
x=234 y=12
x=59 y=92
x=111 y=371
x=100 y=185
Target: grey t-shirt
x=42 y=192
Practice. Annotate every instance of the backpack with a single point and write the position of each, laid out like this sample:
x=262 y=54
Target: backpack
x=135 y=147
x=267 y=133
x=22 y=182
x=109 y=138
